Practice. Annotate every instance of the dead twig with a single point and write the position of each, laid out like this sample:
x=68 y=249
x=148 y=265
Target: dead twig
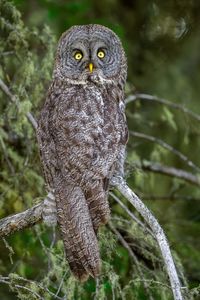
x=170 y=171
x=132 y=98
x=166 y=146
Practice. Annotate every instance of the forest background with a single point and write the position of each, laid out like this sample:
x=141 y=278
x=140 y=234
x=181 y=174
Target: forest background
x=162 y=42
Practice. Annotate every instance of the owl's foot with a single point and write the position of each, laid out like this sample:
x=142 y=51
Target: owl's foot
x=49 y=213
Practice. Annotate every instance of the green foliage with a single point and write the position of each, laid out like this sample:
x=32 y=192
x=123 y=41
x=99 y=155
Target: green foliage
x=162 y=43
x=21 y=65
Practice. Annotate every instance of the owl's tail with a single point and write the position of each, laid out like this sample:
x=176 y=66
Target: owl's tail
x=77 y=231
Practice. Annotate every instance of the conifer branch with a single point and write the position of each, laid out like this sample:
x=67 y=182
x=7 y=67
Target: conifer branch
x=13 y=99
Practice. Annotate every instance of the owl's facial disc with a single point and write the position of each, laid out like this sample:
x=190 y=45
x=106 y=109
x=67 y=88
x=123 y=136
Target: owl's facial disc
x=88 y=60
x=90 y=53
x=92 y=61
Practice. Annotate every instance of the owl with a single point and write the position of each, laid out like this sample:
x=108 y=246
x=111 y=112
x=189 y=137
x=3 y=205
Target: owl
x=82 y=133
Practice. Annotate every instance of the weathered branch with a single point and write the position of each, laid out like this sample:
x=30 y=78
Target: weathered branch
x=122 y=187
x=166 y=146
x=21 y=220
x=132 y=98
x=172 y=172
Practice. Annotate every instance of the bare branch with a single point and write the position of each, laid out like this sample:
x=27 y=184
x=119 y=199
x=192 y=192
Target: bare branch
x=13 y=98
x=141 y=224
x=166 y=146
x=122 y=187
x=169 y=171
x=132 y=98
x=170 y=197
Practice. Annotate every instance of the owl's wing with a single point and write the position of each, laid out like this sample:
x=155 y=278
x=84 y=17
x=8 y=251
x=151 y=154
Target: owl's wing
x=44 y=148
x=73 y=214
x=119 y=168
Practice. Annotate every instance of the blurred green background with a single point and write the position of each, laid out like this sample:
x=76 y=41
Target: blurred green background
x=162 y=42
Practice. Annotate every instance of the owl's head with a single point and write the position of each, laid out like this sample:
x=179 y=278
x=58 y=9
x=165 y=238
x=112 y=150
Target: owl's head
x=90 y=53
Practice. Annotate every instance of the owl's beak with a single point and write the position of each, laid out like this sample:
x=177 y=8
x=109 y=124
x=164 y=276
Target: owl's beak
x=91 y=66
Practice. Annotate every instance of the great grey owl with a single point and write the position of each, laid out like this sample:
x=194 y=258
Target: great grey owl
x=82 y=134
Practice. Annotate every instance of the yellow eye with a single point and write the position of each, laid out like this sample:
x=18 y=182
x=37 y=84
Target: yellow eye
x=78 y=55
x=101 y=54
